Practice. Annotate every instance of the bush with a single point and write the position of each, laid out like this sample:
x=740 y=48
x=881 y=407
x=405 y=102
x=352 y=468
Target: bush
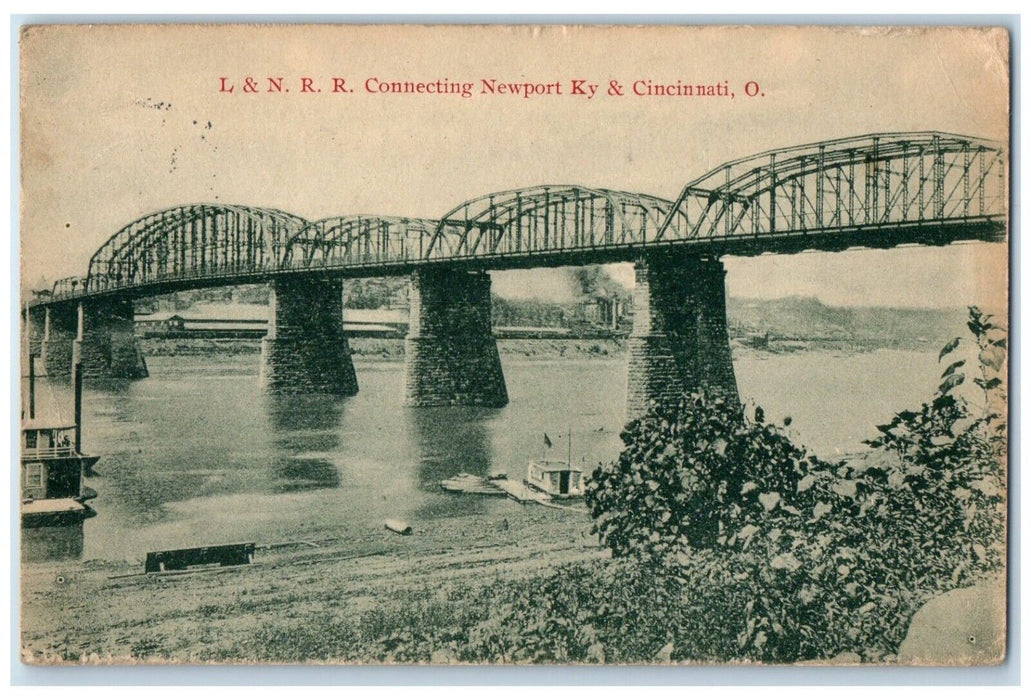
x=835 y=557
x=952 y=454
x=700 y=474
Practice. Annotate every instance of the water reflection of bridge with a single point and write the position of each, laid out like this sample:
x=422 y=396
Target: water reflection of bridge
x=879 y=191
x=304 y=435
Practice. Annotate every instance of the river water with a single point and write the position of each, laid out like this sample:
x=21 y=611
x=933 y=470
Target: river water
x=196 y=454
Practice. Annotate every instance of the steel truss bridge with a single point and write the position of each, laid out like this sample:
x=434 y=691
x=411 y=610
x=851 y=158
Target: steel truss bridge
x=880 y=190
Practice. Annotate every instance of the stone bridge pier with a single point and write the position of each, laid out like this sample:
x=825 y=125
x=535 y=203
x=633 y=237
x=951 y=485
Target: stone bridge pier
x=451 y=356
x=305 y=350
x=99 y=333
x=679 y=342
x=106 y=343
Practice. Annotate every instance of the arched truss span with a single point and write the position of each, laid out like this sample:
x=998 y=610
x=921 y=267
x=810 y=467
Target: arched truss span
x=878 y=189
x=344 y=241
x=546 y=219
x=877 y=181
x=190 y=242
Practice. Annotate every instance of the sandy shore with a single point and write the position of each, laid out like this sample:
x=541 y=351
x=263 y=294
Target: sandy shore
x=109 y=612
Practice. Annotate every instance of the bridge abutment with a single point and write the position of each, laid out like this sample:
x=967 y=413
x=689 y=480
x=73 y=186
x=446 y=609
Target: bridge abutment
x=451 y=356
x=306 y=350
x=105 y=341
x=679 y=343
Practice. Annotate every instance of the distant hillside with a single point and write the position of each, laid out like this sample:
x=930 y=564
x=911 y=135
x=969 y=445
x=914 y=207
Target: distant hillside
x=180 y=301
x=808 y=319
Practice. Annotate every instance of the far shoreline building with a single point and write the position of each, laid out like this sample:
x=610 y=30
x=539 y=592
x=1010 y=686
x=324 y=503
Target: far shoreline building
x=251 y=321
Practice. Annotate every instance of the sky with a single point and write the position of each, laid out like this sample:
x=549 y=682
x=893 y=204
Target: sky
x=118 y=122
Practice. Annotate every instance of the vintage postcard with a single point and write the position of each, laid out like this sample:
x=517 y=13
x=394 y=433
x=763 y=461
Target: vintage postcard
x=514 y=344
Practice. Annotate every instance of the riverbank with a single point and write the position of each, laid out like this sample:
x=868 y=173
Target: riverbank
x=371 y=596
x=109 y=612
x=392 y=349
x=223 y=464
x=385 y=349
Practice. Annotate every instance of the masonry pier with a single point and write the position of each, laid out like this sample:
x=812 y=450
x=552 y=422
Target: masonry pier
x=679 y=342
x=451 y=356
x=306 y=351
x=105 y=341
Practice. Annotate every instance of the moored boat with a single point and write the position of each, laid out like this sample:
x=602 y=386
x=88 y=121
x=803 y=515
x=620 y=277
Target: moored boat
x=556 y=478
x=53 y=468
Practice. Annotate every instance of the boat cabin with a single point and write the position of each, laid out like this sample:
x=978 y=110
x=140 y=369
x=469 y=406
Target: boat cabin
x=42 y=440
x=50 y=466
x=555 y=478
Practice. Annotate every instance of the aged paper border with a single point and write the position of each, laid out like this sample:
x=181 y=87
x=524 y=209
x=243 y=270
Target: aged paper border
x=536 y=675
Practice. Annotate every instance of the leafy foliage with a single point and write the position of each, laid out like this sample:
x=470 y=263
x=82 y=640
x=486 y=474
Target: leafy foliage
x=951 y=456
x=701 y=474
x=837 y=557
